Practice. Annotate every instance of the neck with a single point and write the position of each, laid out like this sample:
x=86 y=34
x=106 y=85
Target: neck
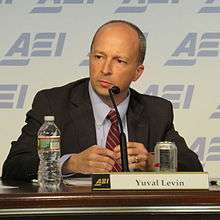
x=119 y=98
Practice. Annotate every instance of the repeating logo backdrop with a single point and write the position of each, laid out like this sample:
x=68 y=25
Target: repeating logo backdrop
x=45 y=43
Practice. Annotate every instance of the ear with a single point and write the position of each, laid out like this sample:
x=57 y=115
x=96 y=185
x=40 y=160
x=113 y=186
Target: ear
x=138 y=72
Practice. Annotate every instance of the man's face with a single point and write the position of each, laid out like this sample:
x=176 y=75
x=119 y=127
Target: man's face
x=114 y=60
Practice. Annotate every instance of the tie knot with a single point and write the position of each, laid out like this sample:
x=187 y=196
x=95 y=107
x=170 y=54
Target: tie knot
x=112 y=116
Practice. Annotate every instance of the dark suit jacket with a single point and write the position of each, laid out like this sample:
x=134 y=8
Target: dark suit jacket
x=150 y=119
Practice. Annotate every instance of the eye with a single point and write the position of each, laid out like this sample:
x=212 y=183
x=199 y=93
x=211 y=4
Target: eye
x=120 y=61
x=98 y=56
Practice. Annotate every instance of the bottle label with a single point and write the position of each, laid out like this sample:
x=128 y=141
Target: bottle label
x=49 y=142
x=166 y=160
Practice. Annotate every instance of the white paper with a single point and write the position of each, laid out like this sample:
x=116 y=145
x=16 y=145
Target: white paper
x=78 y=181
x=8 y=187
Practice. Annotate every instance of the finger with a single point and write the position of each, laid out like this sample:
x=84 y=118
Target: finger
x=117 y=155
x=139 y=166
x=105 y=159
x=141 y=157
x=133 y=151
x=132 y=166
x=106 y=152
x=117 y=149
x=118 y=161
x=100 y=150
x=132 y=159
x=96 y=166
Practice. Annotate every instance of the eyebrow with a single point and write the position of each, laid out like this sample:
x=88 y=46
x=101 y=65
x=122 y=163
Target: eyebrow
x=116 y=56
x=97 y=51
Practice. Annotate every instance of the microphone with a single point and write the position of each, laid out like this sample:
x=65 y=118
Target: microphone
x=123 y=143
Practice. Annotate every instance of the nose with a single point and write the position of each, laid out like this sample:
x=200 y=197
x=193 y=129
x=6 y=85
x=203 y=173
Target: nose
x=106 y=67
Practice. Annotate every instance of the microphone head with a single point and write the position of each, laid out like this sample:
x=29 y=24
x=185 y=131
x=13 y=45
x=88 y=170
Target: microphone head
x=115 y=90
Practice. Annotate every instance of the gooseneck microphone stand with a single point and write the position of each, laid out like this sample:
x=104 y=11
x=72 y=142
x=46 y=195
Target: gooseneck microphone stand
x=123 y=142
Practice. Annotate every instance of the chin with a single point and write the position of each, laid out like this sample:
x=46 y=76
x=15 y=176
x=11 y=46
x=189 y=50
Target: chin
x=102 y=92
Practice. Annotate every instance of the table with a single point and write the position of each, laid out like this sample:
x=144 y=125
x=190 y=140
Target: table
x=80 y=202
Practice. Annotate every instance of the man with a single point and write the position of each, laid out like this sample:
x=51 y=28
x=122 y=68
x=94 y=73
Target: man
x=80 y=108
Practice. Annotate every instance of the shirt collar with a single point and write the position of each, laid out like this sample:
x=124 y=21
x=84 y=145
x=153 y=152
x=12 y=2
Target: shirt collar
x=101 y=110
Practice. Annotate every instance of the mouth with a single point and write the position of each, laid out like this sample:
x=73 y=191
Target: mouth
x=105 y=84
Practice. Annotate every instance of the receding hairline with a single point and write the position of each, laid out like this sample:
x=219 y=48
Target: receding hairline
x=140 y=36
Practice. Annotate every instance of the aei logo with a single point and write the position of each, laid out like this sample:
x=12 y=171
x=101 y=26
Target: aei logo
x=180 y=95
x=193 y=47
x=55 y=6
x=12 y=96
x=209 y=147
x=140 y=6
x=216 y=115
x=46 y=44
x=85 y=62
x=212 y=6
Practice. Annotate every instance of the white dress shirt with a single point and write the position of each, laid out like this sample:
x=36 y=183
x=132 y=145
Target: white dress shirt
x=102 y=125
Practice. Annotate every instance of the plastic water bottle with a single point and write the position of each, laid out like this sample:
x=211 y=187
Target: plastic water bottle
x=49 y=171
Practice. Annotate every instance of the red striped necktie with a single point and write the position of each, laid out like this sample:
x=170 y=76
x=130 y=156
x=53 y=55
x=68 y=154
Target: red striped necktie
x=113 y=137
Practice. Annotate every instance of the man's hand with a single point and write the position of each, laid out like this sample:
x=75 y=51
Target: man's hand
x=95 y=159
x=138 y=157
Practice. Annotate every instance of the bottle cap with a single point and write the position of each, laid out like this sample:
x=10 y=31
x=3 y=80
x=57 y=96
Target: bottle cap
x=49 y=118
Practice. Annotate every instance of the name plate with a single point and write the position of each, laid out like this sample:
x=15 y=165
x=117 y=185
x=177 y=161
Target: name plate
x=151 y=181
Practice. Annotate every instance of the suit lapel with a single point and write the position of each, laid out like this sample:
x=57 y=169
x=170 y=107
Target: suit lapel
x=82 y=117
x=83 y=123
x=137 y=121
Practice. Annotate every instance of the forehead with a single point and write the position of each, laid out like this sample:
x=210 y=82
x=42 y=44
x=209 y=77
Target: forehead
x=116 y=35
x=118 y=26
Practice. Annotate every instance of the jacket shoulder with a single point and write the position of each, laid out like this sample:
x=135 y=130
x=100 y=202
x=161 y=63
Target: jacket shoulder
x=56 y=100
x=150 y=100
x=65 y=89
